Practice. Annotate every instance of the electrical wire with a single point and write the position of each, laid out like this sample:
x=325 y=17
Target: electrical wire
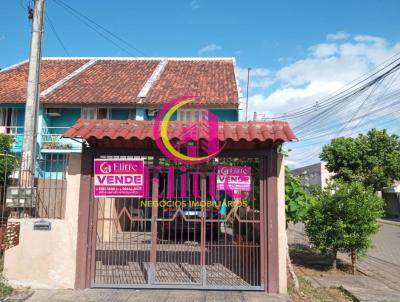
x=56 y=34
x=86 y=20
x=339 y=94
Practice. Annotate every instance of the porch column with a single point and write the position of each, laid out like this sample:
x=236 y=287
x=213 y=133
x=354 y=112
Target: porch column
x=273 y=231
x=82 y=254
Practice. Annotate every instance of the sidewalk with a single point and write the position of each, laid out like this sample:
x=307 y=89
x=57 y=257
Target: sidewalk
x=363 y=288
x=125 y=295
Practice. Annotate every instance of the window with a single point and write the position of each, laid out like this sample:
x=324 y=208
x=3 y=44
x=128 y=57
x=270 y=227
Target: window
x=102 y=113
x=132 y=114
x=191 y=114
x=95 y=113
x=8 y=120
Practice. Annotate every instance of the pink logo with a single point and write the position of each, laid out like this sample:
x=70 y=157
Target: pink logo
x=199 y=138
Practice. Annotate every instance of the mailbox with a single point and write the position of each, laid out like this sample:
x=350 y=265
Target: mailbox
x=42 y=225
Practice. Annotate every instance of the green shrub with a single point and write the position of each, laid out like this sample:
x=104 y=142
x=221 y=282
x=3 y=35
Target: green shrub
x=343 y=219
x=8 y=162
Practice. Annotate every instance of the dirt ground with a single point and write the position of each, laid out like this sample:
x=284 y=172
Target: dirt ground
x=308 y=263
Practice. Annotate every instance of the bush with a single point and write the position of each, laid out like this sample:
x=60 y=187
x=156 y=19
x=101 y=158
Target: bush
x=297 y=200
x=343 y=219
x=8 y=162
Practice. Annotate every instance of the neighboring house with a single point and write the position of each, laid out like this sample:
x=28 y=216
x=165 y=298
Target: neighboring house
x=391 y=195
x=315 y=174
x=114 y=88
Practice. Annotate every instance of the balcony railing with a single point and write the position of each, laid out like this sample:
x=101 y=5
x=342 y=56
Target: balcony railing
x=17 y=132
x=51 y=139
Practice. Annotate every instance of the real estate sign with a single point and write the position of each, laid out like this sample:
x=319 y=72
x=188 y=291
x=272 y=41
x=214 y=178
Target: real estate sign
x=118 y=178
x=234 y=178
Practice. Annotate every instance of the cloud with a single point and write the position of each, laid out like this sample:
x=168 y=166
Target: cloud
x=339 y=35
x=324 y=50
x=370 y=39
x=195 y=4
x=209 y=48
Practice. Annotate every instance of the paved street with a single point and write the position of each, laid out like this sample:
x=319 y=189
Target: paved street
x=382 y=261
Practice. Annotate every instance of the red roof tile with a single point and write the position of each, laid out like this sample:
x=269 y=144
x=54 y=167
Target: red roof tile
x=13 y=81
x=119 y=81
x=275 y=131
x=106 y=82
x=213 y=82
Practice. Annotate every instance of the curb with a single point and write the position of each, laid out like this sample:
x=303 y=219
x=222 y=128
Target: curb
x=349 y=293
x=390 y=222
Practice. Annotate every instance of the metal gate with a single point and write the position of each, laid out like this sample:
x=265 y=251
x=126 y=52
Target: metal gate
x=182 y=234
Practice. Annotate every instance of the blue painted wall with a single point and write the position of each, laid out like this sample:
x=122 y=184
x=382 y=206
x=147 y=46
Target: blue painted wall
x=68 y=118
x=19 y=122
x=120 y=113
x=226 y=114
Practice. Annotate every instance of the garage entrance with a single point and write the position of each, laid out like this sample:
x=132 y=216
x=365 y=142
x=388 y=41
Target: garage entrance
x=186 y=232
x=188 y=235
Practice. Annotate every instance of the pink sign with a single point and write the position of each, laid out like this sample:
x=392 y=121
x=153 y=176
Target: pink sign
x=233 y=178
x=118 y=178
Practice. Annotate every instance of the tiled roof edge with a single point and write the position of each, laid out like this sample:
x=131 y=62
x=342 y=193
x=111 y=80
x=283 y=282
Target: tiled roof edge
x=73 y=74
x=145 y=58
x=152 y=79
x=14 y=66
x=239 y=89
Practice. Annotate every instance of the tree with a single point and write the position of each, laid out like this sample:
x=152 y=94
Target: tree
x=8 y=162
x=343 y=219
x=297 y=204
x=297 y=200
x=373 y=158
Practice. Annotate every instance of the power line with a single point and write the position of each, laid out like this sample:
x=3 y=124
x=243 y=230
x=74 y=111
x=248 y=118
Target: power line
x=388 y=92
x=348 y=98
x=326 y=101
x=85 y=19
x=56 y=34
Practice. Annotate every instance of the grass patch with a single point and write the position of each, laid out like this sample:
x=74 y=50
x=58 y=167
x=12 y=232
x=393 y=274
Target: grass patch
x=308 y=293
x=5 y=288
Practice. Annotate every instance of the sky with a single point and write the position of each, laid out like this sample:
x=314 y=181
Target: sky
x=299 y=51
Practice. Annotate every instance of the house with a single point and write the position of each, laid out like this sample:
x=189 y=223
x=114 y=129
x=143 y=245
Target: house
x=391 y=196
x=116 y=89
x=100 y=111
x=315 y=174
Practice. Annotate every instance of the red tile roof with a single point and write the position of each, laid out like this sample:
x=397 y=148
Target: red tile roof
x=106 y=82
x=13 y=81
x=274 y=131
x=211 y=81
x=119 y=81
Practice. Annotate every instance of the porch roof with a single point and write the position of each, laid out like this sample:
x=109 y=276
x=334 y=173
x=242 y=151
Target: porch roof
x=118 y=133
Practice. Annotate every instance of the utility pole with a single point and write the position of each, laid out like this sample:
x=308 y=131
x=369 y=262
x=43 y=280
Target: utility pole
x=32 y=99
x=247 y=95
